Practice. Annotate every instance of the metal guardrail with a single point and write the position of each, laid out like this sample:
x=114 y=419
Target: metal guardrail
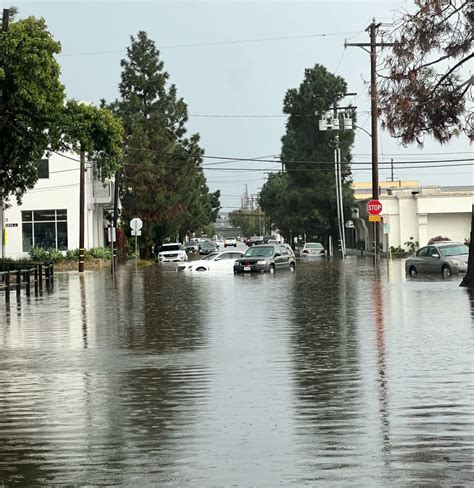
x=27 y=278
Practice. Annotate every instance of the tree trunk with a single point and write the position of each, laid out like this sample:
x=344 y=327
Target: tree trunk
x=468 y=280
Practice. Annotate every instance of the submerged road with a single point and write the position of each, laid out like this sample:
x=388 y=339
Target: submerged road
x=330 y=376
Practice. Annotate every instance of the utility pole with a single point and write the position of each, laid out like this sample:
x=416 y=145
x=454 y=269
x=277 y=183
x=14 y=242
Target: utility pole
x=81 y=210
x=391 y=169
x=5 y=21
x=373 y=45
x=114 y=223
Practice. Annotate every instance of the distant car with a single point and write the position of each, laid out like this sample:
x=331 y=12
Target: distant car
x=216 y=261
x=312 y=249
x=266 y=258
x=191 y=246
x=254 y=241
x=172 y=252
x=445 y=258
x=271 y=239
x=230 y=241
x=207 y=247
x=219 y=243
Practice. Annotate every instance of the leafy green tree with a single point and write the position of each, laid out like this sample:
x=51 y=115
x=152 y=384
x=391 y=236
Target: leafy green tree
x=250 y=222
x=428 y=87
x=31 y=103
x=307 y=202
x=96 y=132
x=428 y=82
x=164 y=183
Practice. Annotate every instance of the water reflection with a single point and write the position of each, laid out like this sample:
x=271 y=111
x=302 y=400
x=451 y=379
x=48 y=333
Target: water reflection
x=333 y=375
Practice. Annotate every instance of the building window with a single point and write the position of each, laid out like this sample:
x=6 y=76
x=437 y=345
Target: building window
x=44 y=228
x=43 y=169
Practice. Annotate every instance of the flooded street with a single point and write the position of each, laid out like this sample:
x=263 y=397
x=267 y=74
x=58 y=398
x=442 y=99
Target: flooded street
x=330 y=376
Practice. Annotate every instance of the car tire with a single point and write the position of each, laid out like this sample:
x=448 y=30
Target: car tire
x=271 y=269
x=412 y=271
x=201 y=269
x=292 y=267
x=446 y=271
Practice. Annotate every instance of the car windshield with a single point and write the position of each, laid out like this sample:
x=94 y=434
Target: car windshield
x=313 y=245
x=264 y=251
x=170 y=247
x=454 y=250
x=210 y=257
x=208 y=245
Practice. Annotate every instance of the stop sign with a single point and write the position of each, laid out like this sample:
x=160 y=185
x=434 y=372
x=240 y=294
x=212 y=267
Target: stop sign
x=374 y=207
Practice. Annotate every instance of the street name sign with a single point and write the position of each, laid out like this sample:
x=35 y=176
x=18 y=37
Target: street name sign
x=136 y=232
x=136 y=224
x=374 y=207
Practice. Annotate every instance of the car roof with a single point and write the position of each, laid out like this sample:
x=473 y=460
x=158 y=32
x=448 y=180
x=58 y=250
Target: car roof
x=444 y=243
x=172 y=244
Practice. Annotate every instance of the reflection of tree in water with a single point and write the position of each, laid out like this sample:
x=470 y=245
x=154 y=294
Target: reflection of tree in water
x=120 y=410
x=326 y=353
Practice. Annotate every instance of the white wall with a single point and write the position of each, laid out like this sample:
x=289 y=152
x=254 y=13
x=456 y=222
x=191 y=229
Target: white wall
x=59 y=191
x=457 y=229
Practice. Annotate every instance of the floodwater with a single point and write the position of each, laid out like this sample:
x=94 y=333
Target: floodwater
x=331 y=376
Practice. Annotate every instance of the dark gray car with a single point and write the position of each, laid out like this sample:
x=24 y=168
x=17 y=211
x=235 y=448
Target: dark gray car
x=266 y=258
x=445 y=258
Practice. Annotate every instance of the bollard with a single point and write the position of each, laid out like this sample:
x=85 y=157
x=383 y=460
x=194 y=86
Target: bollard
x=41 y=276
x=18 y=284
x=7 y=290
x=28 y=283
x=46 y=275
x=36 y=281
x=52 y=274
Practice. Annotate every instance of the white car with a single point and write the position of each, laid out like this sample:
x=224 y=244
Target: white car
x=172 y=252
x=216 y=261
x=312 y=249
x=230 y=241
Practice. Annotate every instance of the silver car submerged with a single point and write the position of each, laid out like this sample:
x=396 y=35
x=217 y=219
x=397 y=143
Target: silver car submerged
x=445 y=258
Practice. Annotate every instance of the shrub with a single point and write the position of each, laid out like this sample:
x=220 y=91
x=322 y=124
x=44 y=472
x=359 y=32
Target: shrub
x=72 y=254
x=38 y=253
x=54 y=255
x=411 y=244
x=99 y=252
x=438 y=239
x=397 y=249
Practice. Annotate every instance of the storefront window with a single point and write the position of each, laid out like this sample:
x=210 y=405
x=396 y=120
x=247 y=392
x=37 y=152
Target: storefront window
x=44 y=228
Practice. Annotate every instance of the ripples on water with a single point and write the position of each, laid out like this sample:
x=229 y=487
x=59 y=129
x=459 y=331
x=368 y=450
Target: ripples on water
x=331 y=376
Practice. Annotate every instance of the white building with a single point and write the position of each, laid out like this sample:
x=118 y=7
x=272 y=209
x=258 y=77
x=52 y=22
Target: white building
x=49 y=213
x=419 y=213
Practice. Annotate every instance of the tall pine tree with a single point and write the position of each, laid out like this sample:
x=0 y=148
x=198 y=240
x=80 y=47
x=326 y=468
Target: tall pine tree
x=164 y=183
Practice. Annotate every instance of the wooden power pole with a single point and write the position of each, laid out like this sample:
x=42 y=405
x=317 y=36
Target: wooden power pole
x=373 y=45
x=81 y=211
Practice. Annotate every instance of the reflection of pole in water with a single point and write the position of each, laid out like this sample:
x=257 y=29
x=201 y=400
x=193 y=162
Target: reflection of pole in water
x=382 y=382
x=83 y=310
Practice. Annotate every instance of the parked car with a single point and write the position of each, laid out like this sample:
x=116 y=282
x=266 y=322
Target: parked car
x=230 y=241
x=445 y=258
x=216 y=261
x=191 y=246
x=172 y=252
x=312 y=249
x=219 y=243
x=265 y=258
x=207 y=247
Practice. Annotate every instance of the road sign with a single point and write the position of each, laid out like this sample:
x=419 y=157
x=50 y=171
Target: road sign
x=136 y=224
x=386 y=228
x=111 y=234
x=374 y=207
x=136 y=232
x=375 y=218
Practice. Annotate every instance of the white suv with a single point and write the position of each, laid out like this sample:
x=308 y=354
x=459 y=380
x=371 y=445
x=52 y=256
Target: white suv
x=230 y=241
x=172 y=252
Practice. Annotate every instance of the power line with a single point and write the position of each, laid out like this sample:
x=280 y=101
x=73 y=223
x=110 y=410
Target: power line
x=217 y=43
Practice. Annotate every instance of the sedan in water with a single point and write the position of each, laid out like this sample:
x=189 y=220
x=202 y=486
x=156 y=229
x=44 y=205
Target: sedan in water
x=207 y=247
x=265 y=258
x=445 y=258
x=313 y=250
x=217 y=261
x=172 y=252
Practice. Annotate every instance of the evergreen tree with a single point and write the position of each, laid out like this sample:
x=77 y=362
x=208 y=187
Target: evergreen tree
x=164 y=183
x=307 y=203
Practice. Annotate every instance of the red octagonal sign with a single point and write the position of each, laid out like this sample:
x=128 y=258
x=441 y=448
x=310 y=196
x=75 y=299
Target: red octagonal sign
x=374 y=207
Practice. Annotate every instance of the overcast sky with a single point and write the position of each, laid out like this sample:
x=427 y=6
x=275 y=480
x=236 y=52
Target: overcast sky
x=237 y=78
